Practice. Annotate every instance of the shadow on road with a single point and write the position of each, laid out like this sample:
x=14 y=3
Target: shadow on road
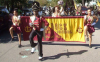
x=67 y=54
x=96 y=47
x=5 y=37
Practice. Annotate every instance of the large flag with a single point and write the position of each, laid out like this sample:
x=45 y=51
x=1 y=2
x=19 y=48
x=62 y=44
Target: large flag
x=67 y=29
x=98 y=3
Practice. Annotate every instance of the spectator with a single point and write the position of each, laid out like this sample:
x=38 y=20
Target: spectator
x=56 y=11
x=63 y=13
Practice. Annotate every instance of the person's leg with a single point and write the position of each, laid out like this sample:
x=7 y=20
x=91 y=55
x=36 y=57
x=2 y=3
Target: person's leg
x=90 y=39
x=39 y=36
x=11 y=32
x=86 y=31
x=31 y=36
x=19 y=38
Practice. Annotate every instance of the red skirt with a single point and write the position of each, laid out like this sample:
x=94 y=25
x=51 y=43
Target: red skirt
x=17 y=29
x=91 y=29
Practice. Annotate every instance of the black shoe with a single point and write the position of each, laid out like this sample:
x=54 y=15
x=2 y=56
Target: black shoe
x=19 y=46
x=90 y=46
x=12 y=39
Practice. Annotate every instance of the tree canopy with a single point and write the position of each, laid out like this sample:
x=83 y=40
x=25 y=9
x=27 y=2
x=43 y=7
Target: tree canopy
x=13 y=3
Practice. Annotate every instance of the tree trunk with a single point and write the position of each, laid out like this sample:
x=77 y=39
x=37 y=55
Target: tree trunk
x=83 y=3
x=7 y=6
x=12 y=4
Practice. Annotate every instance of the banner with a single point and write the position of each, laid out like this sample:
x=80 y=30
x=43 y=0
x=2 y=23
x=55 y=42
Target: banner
x=75 y=5
x=67 y=29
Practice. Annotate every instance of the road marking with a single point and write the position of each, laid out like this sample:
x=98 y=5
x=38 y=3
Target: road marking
x=24 y=56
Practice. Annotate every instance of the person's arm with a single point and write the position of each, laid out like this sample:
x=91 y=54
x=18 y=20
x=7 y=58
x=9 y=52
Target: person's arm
x=65 y=12
x=13 y=19
x=59 y=14
x=45 y=22
x=95 y=17
x=85 y=19
x=60 y=11
x=19 y=19
x=52 y=14
x=31 y=21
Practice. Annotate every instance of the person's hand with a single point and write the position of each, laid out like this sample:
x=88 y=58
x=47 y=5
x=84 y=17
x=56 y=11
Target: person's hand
x=42 y=29
x=18 y=17
x=93 y=23
x=31 y=24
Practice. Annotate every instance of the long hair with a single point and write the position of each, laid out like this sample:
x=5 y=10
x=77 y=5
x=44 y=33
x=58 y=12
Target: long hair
x=55 y=7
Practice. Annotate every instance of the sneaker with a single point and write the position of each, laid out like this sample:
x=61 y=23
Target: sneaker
x=33 y=50
x=90 y=46
x=19 y=46
x=40 y=58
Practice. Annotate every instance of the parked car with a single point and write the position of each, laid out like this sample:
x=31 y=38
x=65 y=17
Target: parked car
x=4 y=18
x=4 y=9
x=83 y=10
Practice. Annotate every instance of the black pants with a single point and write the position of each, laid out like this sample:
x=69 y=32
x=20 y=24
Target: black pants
x=39 y=36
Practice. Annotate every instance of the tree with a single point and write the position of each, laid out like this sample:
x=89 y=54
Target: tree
x=13 y=3
x=53 y=3
x=80 y=1
x=68 y=2
x=42 y=2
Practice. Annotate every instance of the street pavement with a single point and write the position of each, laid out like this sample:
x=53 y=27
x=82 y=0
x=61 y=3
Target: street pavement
x=52 y=51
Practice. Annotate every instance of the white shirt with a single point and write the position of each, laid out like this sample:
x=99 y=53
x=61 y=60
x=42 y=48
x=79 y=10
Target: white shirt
x=53 y=15
x=62 y=13
x=47 y=12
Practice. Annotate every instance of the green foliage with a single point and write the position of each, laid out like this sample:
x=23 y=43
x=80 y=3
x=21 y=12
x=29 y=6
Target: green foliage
x=12 y=2
x=17 y=3
x=42 y=2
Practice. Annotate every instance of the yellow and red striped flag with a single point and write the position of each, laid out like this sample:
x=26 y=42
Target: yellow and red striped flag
x=75 y=5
